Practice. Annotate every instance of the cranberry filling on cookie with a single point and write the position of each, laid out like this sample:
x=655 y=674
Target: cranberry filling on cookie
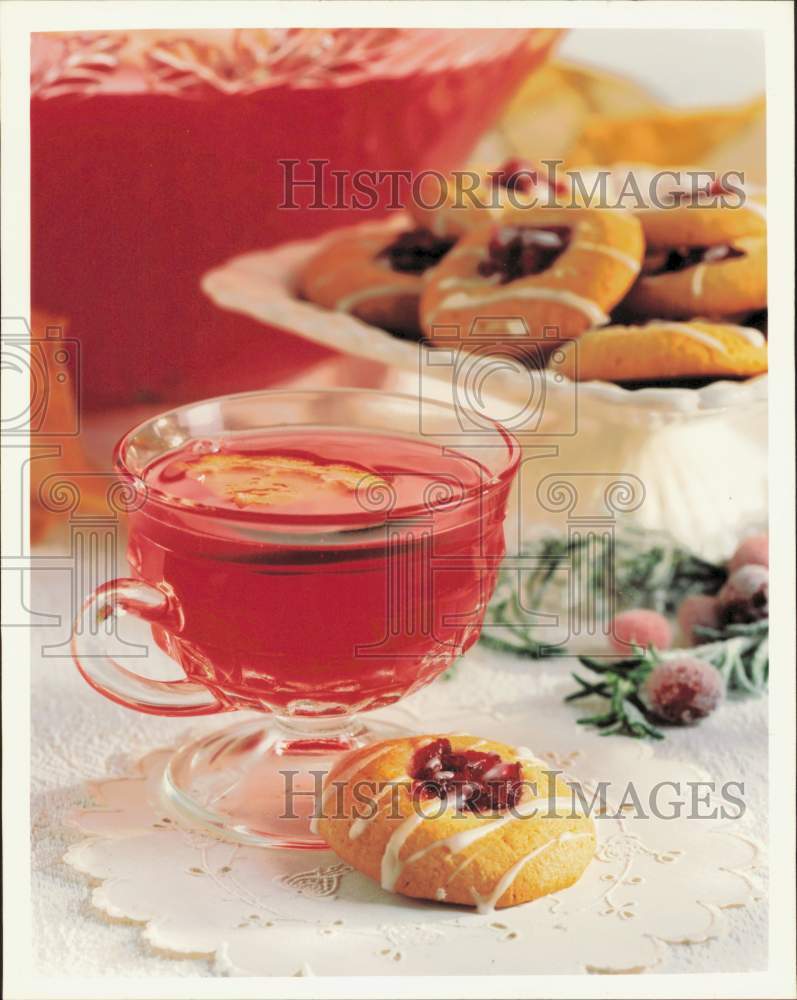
x=515 y=175
x=518 y=251
x=478 y=780
x=416 y=251
x=679 y=258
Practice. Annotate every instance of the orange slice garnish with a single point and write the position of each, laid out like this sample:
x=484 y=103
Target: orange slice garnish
x=275 y=480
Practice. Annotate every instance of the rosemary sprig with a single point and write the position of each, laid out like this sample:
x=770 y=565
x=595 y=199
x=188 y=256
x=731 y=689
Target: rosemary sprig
x=514 y=636
x=619 y=682
x=630 y=569
x=660 y=575
x=739 y=652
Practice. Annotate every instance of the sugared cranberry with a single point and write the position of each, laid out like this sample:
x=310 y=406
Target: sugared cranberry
x=745 y=596
x=515 y=175
x=698 y=610
x=477 y=780
x=416 y=251
x=717 y=187
x=640 y=627
x=683 y=690
x=753 y=550
x=517 y=251
x=679 y=258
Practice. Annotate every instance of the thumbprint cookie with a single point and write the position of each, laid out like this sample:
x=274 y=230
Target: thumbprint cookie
x=704 y=221
x=661 y=352
x=376 y=276
x=702 y=260
x=560 y=270
x=456 y=819
x=454 y=205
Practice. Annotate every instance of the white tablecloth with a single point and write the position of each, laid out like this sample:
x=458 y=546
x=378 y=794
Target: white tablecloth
x=78 y=736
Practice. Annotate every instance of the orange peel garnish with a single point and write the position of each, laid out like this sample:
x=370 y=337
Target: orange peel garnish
x=274 y=480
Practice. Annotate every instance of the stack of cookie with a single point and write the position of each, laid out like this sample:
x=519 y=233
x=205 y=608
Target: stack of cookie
x=684 y=279
x=703 y=276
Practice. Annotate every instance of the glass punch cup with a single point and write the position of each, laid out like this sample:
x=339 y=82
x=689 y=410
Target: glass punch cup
x=303 y=556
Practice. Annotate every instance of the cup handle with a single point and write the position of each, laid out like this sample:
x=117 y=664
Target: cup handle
x=89 y=641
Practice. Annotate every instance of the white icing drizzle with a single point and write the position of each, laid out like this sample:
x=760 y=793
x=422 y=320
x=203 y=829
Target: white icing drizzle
x=751 y=335
x=391 y=868
x=624 y=258
x=343 y=776
x=465 y=862
x=361 y=822
x=455 y=282
x=695 y=334
x=479 y=252
x=486 y=904
x=346 y=303
x=697 y=280
x=458 y=842
x=461 y=300
x=527 y=755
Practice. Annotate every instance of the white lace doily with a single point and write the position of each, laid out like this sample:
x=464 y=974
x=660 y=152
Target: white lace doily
x=654 y=883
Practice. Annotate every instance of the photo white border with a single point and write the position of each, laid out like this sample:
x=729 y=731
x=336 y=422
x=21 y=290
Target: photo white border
x=775 y=21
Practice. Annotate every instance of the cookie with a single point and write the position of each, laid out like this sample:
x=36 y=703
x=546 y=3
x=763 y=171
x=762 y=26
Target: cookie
x=456 y=819
x=376 y=275
x=703 y=258
x=560 y=270
x=454 y=205
x=717 y=282
x=637 y=186
x=705 y=221
x=663 y=351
